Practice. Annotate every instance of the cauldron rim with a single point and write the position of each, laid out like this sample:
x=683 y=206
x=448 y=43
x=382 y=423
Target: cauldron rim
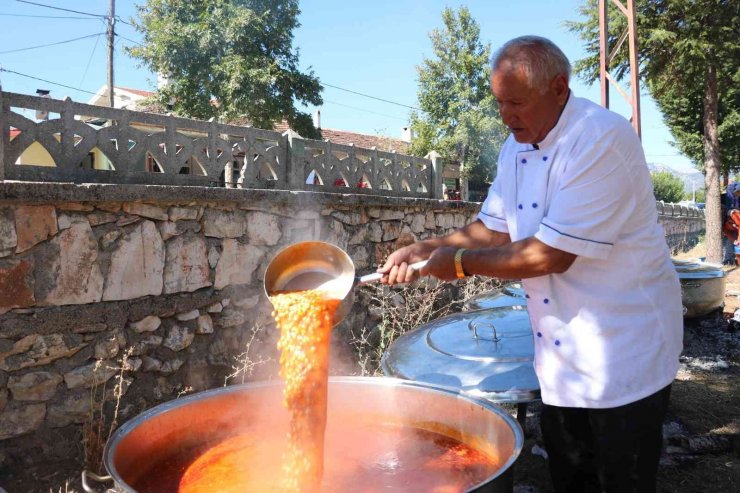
x=130 y=425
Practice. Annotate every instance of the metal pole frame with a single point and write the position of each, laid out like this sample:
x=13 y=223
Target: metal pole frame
x=606 y=56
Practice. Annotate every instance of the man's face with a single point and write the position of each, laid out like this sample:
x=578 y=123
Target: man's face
x=529 y=113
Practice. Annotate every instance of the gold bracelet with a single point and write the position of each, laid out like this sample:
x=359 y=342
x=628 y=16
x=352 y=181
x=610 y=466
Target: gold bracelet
x=459 y=272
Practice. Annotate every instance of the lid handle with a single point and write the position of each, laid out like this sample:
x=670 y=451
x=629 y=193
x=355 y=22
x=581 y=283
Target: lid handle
x=475 y=325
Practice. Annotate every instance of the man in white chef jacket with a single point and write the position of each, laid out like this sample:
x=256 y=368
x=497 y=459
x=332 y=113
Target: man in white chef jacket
x=572 y=213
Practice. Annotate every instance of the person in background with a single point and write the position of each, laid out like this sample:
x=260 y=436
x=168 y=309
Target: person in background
x=572 y=213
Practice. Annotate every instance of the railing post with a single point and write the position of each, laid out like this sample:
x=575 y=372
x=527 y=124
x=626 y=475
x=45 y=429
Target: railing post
x=295 y=158
x=437 y=166
x=4 y=134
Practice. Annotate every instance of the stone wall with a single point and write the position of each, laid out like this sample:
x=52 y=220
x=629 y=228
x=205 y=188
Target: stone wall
x=154 y=290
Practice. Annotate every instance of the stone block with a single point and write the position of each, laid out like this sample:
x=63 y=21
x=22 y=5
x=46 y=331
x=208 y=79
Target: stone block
x=191 y=315
x=145 y=345
x=3 y=398
x=171 y=366
x=391 y=230
x=109 y=239
x=186 y=269
x=178 y=338
x=109 y=206
x=90 y=375
x=107 y=349
x=183 y=213
x=70 y=275
x=98 y=218
x=391 y=215
x=137 y=264
x=150 y=364
x=34 y=224
x=237 y=263
x=358 y=236
x=263 y=229
x=445 y=221
x=215 y=308
x=213 y=256
x=43 y=350
x=231 y=318
x=350 y=218
x=16 y=284
x=8 y=238
x=429 y=221
x=75 y=206
x=224 y=224
x=146 y=210
x=418 y=223
x=375 y=233
x=34 y=386
x=75 y=408
x=21 y=420
x=168 y=229
x=205 y=325
x=146 y=324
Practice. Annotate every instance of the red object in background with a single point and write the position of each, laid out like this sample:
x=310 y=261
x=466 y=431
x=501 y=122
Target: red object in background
x=732 y=225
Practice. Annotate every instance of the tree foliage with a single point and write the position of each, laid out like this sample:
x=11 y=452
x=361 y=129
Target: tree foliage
x=689 y=60
x=667 y=187
x=228 y=58
x=459 y=117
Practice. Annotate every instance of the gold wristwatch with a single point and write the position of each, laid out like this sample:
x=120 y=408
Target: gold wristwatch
x=459 y=272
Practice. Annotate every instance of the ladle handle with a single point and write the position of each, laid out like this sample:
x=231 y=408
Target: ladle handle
x=377 y=276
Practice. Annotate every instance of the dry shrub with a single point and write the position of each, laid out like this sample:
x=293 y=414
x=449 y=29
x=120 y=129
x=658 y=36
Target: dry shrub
x=406 y=307
x=246 y=362
x=101 y=424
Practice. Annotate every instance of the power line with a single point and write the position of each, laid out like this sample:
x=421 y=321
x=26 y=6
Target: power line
x=127 y=39
x=50 y=44
x=60 y=8
x=87 y=67
x=371 y=97
x=44 y=80
x=5 y=14
x=363 y=109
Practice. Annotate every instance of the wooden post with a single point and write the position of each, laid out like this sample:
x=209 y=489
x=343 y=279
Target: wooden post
x=4 y=133
x=634 y=67
x=603 y=51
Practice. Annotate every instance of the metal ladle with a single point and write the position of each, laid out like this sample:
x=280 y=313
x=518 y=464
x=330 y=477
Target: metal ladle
x=321 y=266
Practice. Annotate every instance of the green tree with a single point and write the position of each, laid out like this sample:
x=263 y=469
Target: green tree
x=459 y=118
x=667 y=187
x=689 y=59
x=228 y=58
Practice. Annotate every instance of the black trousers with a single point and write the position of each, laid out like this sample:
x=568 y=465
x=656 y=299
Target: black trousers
x=613 y=450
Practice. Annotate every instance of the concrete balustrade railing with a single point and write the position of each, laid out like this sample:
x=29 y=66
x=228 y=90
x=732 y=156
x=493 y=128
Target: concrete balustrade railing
x=84 y=143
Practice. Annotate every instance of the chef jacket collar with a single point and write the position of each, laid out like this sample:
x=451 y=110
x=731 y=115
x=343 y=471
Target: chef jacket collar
x=555 y=132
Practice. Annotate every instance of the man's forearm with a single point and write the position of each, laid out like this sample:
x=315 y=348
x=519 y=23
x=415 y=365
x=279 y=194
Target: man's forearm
x=474 y=235
x=518 y=260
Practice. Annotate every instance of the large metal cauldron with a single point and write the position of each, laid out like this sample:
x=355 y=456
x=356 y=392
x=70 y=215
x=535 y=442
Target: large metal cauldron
x=702 y=287
x=213 y=416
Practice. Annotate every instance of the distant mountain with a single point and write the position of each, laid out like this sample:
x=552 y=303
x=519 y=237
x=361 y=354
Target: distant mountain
x=686 y=177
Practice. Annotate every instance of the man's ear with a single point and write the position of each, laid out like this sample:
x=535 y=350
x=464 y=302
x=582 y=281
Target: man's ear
x=559 y=86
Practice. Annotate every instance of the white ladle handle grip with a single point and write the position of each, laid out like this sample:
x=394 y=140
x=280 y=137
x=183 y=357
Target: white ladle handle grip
x=377 y=276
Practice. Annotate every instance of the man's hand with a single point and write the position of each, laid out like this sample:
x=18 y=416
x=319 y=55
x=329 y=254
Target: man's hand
x=441 y=264
x=396 y=268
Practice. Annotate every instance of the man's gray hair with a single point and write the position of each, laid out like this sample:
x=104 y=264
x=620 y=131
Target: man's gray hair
x=540 y=58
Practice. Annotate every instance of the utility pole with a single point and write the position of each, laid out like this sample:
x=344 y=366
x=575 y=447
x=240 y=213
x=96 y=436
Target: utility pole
x=111 y=39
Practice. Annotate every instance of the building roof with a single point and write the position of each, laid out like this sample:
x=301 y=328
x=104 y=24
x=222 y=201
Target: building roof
x=138 y=92
x=381 y=142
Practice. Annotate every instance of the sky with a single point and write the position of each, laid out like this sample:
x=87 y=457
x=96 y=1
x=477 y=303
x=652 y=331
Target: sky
x=367 y=47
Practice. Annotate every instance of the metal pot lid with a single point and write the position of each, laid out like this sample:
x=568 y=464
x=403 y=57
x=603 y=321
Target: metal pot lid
x=514 y=289
x=510 y=295
x=486 y=352
x=696 y=269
